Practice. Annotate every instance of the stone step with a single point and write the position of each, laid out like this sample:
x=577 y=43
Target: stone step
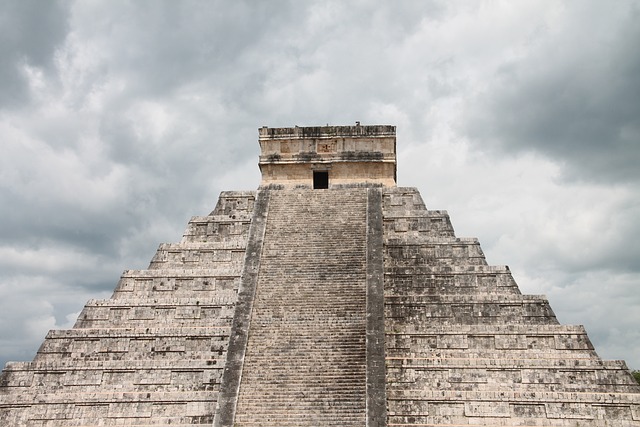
x=471 y=319
x=98 y=381
x=504 y=363
x=142 y=284
x=218 y=228
x=178 y=332
x=469 y=309
x=292 y=349
x=447 y=284
x=401 y=256
x=498 y=395
x=465 y=298
x=203 y=247
x=502 y=381
x=138 y=313
x=402 y=199
x=413 y=213
x=499 y=341
x=417 y=224
x=66 y=367
x=309 y=420
x=343 y=354
x=180 y=273
x=198 y=254
x=480 y=353
x=479 y=330
x=328 y=410
x=525 y=415
x=514 y=374
x=300 y=395
x=85 y=418
x=306 y=351
x=317 y=373
x=232 y=202
x=524 y=380
x=166 y=300
x=131 y=343
x=111 y=365
x=65 y=396
x=435 y=270
x=315 y=414
x=347 y=366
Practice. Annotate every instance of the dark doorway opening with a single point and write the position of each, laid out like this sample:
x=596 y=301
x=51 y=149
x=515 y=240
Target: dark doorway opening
x=320 y=179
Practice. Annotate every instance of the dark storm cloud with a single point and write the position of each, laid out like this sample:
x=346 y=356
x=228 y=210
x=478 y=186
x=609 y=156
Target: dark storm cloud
x=139 y=113
x=30 y=30
x=572 y=97
x=144 y=117
x=162 y=46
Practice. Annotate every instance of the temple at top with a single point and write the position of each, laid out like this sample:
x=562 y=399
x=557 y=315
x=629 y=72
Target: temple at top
x=328 y=156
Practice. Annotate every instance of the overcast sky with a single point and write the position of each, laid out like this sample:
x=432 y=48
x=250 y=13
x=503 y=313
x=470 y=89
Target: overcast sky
x=121 y=120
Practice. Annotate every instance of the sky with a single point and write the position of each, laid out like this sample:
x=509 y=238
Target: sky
x=119 y=120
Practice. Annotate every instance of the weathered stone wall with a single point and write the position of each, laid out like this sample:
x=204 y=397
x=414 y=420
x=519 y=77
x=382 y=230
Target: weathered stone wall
x=340 y=307
x=464 y=347
x=351 y=174
x=352 y=155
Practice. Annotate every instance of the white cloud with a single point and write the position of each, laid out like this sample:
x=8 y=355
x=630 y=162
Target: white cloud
x=128 y=118
x=569 y=241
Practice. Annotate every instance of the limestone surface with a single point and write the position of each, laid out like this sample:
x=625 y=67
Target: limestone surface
x=465 y=347
x=351 y=305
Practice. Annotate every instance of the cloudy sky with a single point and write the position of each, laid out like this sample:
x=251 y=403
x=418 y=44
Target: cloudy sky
x=121 y=120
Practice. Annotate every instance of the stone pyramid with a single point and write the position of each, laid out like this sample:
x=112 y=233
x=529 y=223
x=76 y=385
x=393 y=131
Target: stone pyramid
x=328 y=297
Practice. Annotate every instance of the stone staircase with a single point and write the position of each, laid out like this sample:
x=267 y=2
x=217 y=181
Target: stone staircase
x=464 y=347
x=305 y=362
x=152 y=354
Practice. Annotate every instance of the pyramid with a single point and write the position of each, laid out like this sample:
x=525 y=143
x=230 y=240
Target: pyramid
x=328 y=297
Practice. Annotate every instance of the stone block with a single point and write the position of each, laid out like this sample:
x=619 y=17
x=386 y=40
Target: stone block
x=130 y=410
x=511 y=342
x=563 y=410
x=83 y=377
x=469 y=375
x=529 y=410
x=487 y=409
x=453 y=341
x=153 y=377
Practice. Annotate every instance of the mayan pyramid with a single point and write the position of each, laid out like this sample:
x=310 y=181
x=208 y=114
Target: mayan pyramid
x=328 y=297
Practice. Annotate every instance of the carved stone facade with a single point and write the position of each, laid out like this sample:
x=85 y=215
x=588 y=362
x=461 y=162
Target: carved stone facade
x=346 y=156
x=353 y=305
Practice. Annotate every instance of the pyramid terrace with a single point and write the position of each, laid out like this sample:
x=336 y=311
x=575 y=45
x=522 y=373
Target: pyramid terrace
x=327 y=297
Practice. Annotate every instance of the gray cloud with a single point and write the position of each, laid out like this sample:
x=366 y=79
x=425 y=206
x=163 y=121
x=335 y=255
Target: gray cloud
x=30 y=31
x=573 y=96
x=134 y=115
